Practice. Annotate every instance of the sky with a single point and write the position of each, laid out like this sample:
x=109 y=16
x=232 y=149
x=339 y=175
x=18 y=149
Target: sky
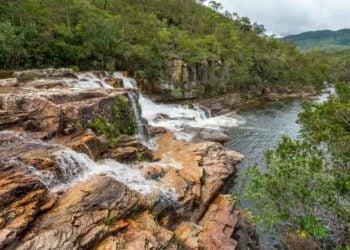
x=285 y=17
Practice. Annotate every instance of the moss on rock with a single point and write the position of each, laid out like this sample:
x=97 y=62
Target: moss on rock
x=121 y=121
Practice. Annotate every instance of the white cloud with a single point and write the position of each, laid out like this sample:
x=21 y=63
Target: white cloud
x=293 y=16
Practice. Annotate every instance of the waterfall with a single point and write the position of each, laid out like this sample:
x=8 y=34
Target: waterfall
x=179 y=117
x=89 y=80
x=141 y=123
x=76 y=167
x=128 y=83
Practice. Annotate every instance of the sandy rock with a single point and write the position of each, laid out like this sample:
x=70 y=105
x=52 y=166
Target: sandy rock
x=215 y=230
x=21 y=198
x=205 y=169
x=55 y=111
x=86 y=142
x=83 y=216
x=153 y=172
x=128 y=149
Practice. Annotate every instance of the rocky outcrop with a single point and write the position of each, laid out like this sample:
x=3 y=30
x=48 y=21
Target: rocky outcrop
x=84 y=216
x=205 y=169
x=50 y=200
x=128 y=149
x=52 y=112
x=141 y=232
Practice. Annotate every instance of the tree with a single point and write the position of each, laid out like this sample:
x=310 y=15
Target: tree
x=306 y=185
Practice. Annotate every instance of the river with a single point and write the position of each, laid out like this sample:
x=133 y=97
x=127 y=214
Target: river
x=264 y=127
x=252 y=131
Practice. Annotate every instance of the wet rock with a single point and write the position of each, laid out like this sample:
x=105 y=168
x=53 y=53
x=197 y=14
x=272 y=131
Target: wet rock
x=155 y=131
x=2 y=223
x=83 y=216
x=128 y=149
x=245 y=233
x=86 y=142
x=55 y=112
x=21 y=198
x=162 y=117
x=210 y=135
x=153 y=172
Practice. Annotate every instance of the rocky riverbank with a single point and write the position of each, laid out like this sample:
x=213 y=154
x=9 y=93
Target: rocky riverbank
x=70 y=182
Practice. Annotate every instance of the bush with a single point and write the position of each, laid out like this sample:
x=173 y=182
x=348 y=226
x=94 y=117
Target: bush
x=121 y=121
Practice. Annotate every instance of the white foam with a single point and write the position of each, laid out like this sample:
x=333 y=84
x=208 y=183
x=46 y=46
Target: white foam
x=165 y=162
x=181 y=117
x=128 y=83
x=90 y=81
x=76 y=167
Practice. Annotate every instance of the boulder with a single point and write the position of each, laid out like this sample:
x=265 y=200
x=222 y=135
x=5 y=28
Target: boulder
x=210 y=135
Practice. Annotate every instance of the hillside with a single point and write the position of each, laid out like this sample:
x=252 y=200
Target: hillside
x=324 y=39
x=199 y=50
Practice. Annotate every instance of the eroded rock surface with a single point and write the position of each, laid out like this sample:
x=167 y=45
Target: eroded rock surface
x=83 y=216
x=44 y=124
x=205 y=169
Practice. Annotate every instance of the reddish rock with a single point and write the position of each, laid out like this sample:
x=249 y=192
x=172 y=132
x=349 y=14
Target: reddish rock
x=205 y=169
x=83 y=216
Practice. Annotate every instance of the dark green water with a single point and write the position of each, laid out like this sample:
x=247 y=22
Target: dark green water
x=264 y=127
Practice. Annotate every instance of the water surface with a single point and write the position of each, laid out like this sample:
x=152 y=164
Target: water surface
x=264 y=127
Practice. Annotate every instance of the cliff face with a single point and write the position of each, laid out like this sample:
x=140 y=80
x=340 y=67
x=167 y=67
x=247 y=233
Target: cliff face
x=62 y=185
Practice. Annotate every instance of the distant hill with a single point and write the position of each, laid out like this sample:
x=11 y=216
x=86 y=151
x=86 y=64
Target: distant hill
x=323 y=39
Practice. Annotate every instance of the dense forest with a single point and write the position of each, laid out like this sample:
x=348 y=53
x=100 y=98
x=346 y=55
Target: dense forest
x=328 y=40
x=143 y=36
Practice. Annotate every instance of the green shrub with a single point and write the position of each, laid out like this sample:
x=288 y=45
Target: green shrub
x=121 y=121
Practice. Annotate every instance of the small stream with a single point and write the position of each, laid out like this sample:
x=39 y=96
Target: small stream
x=264 y=127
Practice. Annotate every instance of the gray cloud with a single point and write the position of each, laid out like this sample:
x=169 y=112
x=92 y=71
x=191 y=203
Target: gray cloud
x=293 y=16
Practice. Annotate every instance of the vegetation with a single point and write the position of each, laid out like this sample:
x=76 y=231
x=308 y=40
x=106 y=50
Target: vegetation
x=305 y=188
x=144 y=36
x=121 y=122
x=328 y=40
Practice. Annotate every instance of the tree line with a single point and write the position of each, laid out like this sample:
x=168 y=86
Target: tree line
x=141 y=36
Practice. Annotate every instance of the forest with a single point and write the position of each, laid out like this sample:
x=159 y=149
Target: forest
x=143 y=36
x=305 y=187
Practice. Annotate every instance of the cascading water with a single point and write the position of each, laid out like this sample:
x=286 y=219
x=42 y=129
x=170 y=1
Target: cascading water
x=76 y=167
x=141 y=124
x=128 y=83
x=179 y=117
x=90 y=81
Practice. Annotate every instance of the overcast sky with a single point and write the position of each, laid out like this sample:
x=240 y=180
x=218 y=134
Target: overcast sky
x=283 y=17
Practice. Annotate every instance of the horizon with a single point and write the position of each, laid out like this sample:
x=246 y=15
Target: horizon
x=292 y=17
